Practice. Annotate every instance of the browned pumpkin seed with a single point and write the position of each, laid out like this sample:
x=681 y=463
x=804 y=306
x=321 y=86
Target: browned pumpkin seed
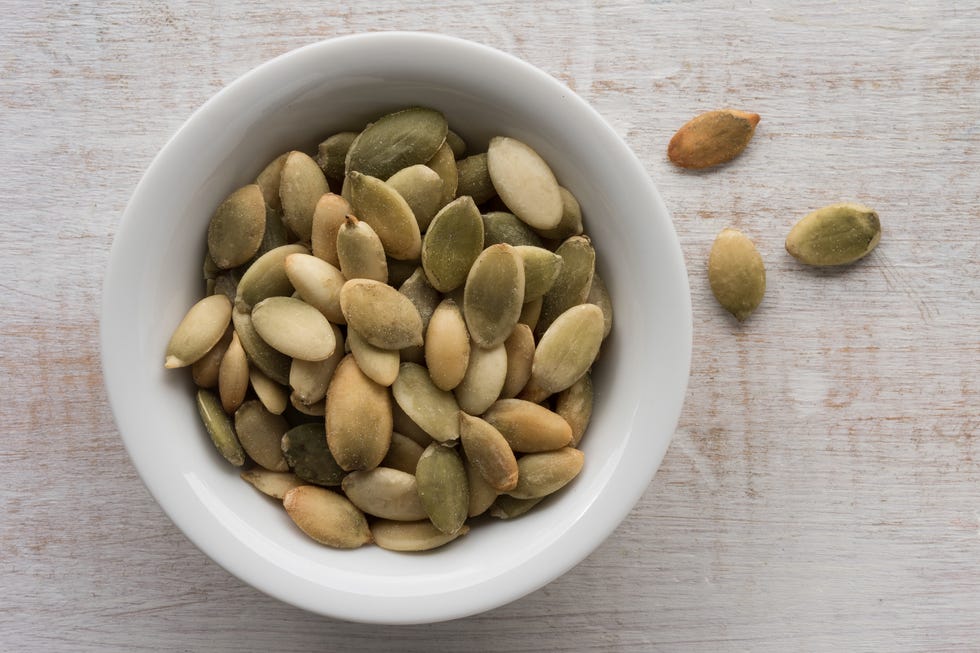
x=447 y=346
x=329 y=216
x=482 y=494
x=205 y=370
x=327 y=517
x=712 y=138
x=358 y=418
x=541 y=474
x=274 y=484
x=488 y=451
x=527 y=426
x=575 y=405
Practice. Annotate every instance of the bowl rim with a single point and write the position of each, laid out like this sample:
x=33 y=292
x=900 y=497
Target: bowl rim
x=560 y=562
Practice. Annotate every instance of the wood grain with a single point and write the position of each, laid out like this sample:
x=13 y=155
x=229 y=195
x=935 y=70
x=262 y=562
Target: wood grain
x=822 y=492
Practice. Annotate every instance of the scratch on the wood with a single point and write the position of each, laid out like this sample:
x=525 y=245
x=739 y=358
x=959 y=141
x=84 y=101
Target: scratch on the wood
x=21 y=291
x=794 y=20
x=893 y=277
x=681 y=441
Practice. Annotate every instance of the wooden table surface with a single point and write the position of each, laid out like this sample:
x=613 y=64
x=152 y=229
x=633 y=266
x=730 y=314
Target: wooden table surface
x=822 y=491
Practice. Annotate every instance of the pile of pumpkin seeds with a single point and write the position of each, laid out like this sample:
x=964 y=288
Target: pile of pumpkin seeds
x=413 y=351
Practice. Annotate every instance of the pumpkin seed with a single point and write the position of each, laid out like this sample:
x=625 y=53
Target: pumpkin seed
x=313 y=409
x=209 y=269
x=268 y=181
x=444 y=164
x=385 y=493
x=421 y=187
x=233 y=376
x=452 y=243
x=599 y=295
x=327 y=517
x=204 y=371
x=305 y=450
x=442 y=487
x=712 y=138
x=520 y=357
x=489 y=452
x=400 y=271
x=484 y=378
x=237 y=226
x=493 y=295
x=396 y=141
x=482 y=494
x=358 y=418
x=300 y=188
x=382 y=207
x=531 y=313
x=524 y=182
x=260 y=433
x=317 y=283
x=294 y=328
x=447 y=346
x=332 y=154
x=382 y=315
x=273 y=364
x=404 y=424
x=565 y=351
x=411 y=536
x=474 y=178
x=275 y=234
x=541 y=268
x=574 y=404
x=199 y=330
x=329 y=216
x=835 y=235
x=309 y=379
x=456 y=144
x=225 y=284
x=274 y=484
x=541 y=474
x=272 y=395
x=574 y=281
x=527 y=426
x=380 y=365
x=507 y=507
x=266 y=277
x=433 y=410
x=219 y=427
x=571 y=218
x=360 y=251
x=403 y=453
x=736 y=273
x=503 y=227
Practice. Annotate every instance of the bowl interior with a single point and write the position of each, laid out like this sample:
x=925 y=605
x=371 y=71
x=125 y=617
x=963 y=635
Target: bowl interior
x=292 y=103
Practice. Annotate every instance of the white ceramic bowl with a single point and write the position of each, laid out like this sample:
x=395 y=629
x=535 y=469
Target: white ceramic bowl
x=292 y=102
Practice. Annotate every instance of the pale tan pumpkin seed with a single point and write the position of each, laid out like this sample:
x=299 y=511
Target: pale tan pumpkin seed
x=386 y=493
x=565 y=352
x=574 y=281
x=503 y=227
x=482 y=494
x=524 y=182
x=309 y=379
x=273 y=484
x=712 y=138
x=541 y=268
x=382 y=315
x=380 y=365
x=294 y=328
x=272 y=395
x=474 y=178
x=382 y=207
x=484 y=379
x=493 y=295
x=421 y=186
x=447 y=346
x=507 y=507
x=527 y=426
x=266 y=277
x=444 y=164
x=219 y=427
x=520 y=356
x=411 y=536
x=571 y=218
x=300 y=188
x=599 y=295
x=541 y=474
x=305 y=449
x=236 y=227
x=396 y=141
x=199 y=330
x=456 y=144
x=260 y=433
x=205 y=370
x=488 y=451
x=736 y=273
x=360 y=252
x=233 y=376
x=329 y=216
x=268 y=181
x=452 y=243
x=575 y=405
x=403 y=452
x=314 y=409
x=358 y=418
x=318 y=284
x=327 y=517
x=431 y=409
x=442 y=486
x=531 y=313
x=332 y=154
x=835 y=235
x=274 y=364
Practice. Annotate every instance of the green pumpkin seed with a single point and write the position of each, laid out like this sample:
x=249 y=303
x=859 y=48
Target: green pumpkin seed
x=382 y=315
x=273 y=484
x=260 y=433
x=411 y=536
x=442 y=487
x=317 y=283
x=294 y=328
x=541 y=268
x=219 y=427
x=531 y=313
x=406 y=426
x=332 y=154
x=444 y=164
x=396 y=141
x=502 y=227
x=527 y=426
x=403 y=453
x=209 y=269
x=226 y=284
x=835 y=235
x=300 y=188
x=484 y=378
x=266 y=277
x=431 y=409
x=382 y=207
x=268 y=181
x=574 y=281
x=400 y=271
x=541 y=474
x=599 y=295
x=273 y=364
x=421 y=187
x=329 y=216
x=205 y=370
x=524 y=182
x=309 y=379
x=199 y=330
x=474 y=178
x=507 y=507
x=236 y=228
x=493 y=295
x=489 y=452
x=305 y=450
x=736 y=273
x=358 y=418
x=275 y=234
x=452 y=243
x=327 y=517
x=482 y=494
x=233 y=376
x=360 y=251
x=380 y=365
x=520 y=357
x=565 y=351
x=574 y=404
x=272 y=395
x=385 y=493
x=571 y=218
x=447 y=346
x=456 y=144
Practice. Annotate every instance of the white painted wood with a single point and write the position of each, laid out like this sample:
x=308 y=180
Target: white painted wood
x=823 y=489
